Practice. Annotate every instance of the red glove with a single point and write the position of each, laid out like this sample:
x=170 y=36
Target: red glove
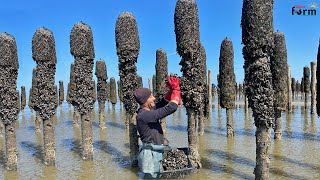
x=173 y=82
x=176 y=95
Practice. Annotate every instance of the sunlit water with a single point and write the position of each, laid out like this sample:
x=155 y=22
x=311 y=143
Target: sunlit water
x=296 y=156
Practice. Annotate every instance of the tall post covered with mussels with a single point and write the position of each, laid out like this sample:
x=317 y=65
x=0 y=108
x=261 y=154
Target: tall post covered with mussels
x=186 y=23
x=44 y=53
x=313 y=86
x=23 y=98
x=82 y=49
x=279 y=69
x=9 y=66
x=61 y=93
x=72 y=95
x=33 y=100
x=289 y=90
x=257 y=37
x=302 y=87
x=161 y=77
x=102 y=76
x=293 y=87
x=113 y=92
x=318 y=81
x=227 y=82
x=120 y=94
x=306 y=87
x=128 y=47
x=204 y=113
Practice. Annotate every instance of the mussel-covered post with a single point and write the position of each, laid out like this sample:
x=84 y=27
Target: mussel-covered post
x=72 y=95
x=306 y=87
x=34 y=99
x=298 y=86
x=279 y=70
x=240 y=90
x=289 y=90
x=293 y=87
x=210 y=88
x=227 y=82
x=302 y=88
x=149 y=84
x=9 y=66
x=313 y=86
x=318 y=81
x=23 y=98
x=108 y=94
x=56 y=98
x=44 y=53
x=120 y=94
x=128 y=47
x=102 y=76
x=61 y=93
x=94 y=94
x=218 y=95
x=113 y=92
x=140 y=82
x=257 y=37
x=161 y=77
x=154 y=84
x=213 y=92
x=186 y=23
x=18 y=102
x=204 y=113
x=81 y=45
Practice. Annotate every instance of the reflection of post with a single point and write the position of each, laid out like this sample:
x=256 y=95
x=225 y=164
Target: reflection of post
x=313 y=128
x=288 y=123
x=305 y=122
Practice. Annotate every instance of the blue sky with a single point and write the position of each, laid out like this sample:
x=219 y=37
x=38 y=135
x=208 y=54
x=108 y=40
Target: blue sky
x=218 y=19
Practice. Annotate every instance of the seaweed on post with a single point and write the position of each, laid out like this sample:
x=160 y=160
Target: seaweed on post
x=257 y=37
x=128 y=47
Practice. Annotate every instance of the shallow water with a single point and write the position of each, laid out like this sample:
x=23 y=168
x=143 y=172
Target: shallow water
x=294 y=157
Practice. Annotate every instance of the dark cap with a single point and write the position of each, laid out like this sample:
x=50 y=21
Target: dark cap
x=141 y=95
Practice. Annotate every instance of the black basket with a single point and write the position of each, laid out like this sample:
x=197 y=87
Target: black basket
x=179 y=173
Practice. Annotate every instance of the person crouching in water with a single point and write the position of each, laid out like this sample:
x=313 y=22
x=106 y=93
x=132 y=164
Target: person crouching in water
x=149 y=116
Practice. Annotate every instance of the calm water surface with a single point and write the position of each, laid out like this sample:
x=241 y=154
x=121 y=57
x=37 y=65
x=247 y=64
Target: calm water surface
x=296 y=156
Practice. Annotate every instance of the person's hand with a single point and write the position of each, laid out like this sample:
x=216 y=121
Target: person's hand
x=176 y=97
x=173 y=82
x=174 y=92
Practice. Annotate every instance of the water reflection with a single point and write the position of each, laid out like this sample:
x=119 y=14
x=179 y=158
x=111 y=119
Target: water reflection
x=294 y=157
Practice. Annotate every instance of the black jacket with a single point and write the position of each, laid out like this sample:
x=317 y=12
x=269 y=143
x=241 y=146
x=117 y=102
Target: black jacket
x=148 y=122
